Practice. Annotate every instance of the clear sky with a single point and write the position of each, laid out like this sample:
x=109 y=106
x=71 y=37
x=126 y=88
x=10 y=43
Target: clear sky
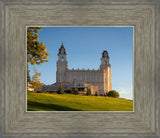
x=84 y=46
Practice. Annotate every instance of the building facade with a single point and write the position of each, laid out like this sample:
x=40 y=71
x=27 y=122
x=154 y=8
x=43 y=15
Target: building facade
x=96 y=80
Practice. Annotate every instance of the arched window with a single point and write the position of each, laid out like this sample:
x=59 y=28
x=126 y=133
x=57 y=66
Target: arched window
x=100 y=87
x=75 y=77
x=70 y=77
x=90 y=78
x=100 y=78
x=85 y=77
x=62 y=59
x=95 y=78
x=80 y=78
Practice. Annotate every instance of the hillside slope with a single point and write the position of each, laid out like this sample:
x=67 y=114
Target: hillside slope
x=68 y=102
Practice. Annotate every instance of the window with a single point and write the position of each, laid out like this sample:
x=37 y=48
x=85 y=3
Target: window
x=80 y=77
x=70 y=77
x=95 y=78
x=62 y=59
x=85 y=77
x=100 y=87
x=75 y=77
x=100 y=78
x=90 y=78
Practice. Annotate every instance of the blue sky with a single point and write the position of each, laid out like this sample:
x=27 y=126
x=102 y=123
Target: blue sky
x=84 y=46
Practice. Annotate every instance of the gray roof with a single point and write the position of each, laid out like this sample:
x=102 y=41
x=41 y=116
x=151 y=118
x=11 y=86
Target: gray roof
x=62 y=47
x=105 y=54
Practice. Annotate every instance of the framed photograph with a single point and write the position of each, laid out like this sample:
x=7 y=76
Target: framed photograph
x=88 y=71
x=80 y=68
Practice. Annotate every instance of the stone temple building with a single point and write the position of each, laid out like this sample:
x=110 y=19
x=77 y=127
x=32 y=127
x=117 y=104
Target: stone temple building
x=96 y=80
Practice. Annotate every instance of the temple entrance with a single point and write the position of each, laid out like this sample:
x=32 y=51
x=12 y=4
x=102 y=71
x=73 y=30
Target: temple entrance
x=82 y=90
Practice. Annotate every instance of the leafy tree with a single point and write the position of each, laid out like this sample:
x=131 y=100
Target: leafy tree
x=113 y=93
x=88 y=92
x=36 y=84
x=96 y=94
x=36 y=51
x=76 y=91
x=60 y=90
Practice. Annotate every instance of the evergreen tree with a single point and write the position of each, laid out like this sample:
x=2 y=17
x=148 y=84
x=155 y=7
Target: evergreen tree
x=60 y=90
x=88 y=92
x=76 y=92
x=71 y=91
x=96 y=94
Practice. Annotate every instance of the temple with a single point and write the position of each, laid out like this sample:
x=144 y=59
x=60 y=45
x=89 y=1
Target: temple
x=96 y=80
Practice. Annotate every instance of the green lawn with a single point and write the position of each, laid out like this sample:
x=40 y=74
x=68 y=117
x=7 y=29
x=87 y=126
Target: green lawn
x=68 y=102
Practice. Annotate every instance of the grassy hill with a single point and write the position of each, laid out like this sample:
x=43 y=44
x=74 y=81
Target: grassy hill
x=68 y=102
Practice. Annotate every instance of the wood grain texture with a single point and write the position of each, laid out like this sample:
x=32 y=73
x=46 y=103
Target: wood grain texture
x=143 y=16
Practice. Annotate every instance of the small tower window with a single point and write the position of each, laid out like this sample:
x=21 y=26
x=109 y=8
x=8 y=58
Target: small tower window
x=59 y=70
x=62 y=59
x=62 y=51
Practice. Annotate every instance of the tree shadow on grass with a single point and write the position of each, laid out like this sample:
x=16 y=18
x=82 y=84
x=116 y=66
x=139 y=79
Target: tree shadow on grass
x=48 y=107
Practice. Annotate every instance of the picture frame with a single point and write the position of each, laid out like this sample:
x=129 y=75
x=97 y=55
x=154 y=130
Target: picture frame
x=143 y=16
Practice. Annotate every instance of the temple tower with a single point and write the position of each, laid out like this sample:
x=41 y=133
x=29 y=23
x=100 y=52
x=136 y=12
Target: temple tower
x=106 y=68
x=62 y=65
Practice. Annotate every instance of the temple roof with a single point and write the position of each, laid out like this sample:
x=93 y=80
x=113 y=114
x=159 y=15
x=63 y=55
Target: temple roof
x=105 y=54
x=62 y=50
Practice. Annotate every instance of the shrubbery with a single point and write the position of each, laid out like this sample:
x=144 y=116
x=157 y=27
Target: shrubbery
x=113 y=93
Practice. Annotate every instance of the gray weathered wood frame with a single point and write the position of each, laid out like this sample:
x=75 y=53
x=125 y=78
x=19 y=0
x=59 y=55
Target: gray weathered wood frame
x=143 y=16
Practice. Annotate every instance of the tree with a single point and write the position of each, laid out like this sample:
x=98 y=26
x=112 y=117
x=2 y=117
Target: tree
x=60 y=90
x=96 y=94
x=88 y=92
x=76 y=91
x=28 y=76
x=113 y=93
x=36 y=81
x=36 y=51
x=36 y=84
x=71 y=91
